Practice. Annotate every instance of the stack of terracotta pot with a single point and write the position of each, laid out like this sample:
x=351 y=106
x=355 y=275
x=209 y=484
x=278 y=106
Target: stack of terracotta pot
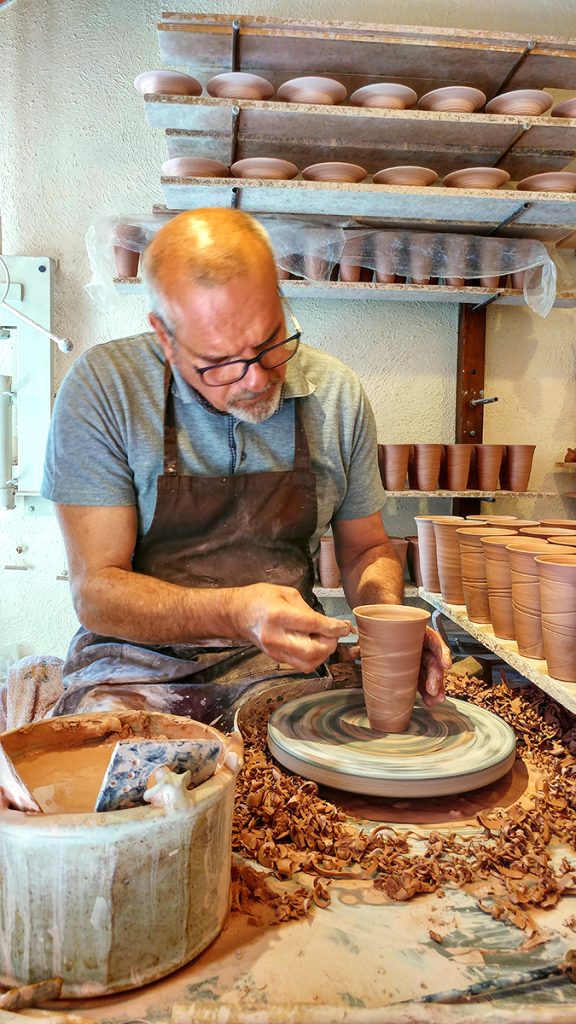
x=517 y=575
x=455 y=467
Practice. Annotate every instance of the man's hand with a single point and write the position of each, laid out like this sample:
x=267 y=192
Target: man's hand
x=280 y=623
x=436 y=658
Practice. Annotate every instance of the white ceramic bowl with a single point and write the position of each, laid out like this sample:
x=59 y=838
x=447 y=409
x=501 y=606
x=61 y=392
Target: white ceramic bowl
x=167 y=82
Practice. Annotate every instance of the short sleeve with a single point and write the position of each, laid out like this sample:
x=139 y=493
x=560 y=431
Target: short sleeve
x=86 y=460
x=364 y=492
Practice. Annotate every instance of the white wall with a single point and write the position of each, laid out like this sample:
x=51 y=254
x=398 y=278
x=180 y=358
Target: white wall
x=74 y=147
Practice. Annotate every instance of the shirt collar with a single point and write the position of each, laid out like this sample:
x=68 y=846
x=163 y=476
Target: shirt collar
x=296 y=385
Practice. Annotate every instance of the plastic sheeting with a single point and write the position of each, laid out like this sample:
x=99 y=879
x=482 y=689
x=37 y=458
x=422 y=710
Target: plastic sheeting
x=313 y=251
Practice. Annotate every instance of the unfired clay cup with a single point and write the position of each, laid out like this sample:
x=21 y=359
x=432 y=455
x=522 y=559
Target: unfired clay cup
x=393 y=463
x=448 y=559
x=328 y=571
x=457 y=466
x=557 y=574
x=474 y=582
x=391 y=639
x=413 y=561
x=489 y=459
x=516 y=467
x=427 y=549
x=428 y=458
x=561 y=524
x=499 y=584
x=526 y=593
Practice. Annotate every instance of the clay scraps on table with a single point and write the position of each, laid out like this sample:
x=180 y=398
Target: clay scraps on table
x=283 y=828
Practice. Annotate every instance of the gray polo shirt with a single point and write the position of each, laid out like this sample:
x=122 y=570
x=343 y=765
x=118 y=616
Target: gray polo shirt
x=106 y=437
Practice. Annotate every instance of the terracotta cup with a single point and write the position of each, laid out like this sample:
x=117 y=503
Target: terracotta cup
x=448 y=559
x=427 y=550
x=391 y=638
x=128 y=242
x=413 y=561
x=564 y=539
x=328 y=571
x=545 y=531
x=557 y=575
x=562 y=524
x=488 y=518
x=427 y=458
x=393 y=463
x=315 y=268
x=488 y=461
x=401 y=548
x=499 y=584
x=456 y=468
x=474 y=582
x=516 y=467
x=526 y=593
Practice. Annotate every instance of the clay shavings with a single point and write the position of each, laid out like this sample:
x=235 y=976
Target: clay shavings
x=283 y=828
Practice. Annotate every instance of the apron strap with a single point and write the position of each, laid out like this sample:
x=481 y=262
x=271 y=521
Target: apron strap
x=301 y=447
x=170 y=438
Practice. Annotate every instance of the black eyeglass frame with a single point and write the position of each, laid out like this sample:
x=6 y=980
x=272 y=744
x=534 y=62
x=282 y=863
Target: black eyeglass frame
x=203 y=370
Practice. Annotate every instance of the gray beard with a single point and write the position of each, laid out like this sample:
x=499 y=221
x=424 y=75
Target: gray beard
x=256 y=412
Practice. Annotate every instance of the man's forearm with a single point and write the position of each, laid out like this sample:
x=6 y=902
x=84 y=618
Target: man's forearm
x=131 y=606
x=374 y=578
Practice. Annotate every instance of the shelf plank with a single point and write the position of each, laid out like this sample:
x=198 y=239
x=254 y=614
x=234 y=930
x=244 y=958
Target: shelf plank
x=337 y=593
x=535 y=671
x=389 y=292
x=565 y=465
x=423 y=57
x=471 y=494
x=383 y=202
x=305 y=133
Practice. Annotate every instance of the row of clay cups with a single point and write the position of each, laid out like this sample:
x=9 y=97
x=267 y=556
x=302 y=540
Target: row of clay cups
x=525 y=588
x=317 y=269
x=406 y=549
x=455 y=466
x=439 y=551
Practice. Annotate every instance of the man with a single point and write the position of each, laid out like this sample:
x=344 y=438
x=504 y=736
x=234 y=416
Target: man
x=194 y=468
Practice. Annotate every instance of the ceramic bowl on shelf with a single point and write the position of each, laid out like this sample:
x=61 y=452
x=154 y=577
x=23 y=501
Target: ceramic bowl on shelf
x=456 y=99
x=565 y=109
x=477 y=177
x=172 y=83
x=194 y=167
x=334 y=171
x=264 y=167
x=405 y=175
x=530 y=102
x=237 y=85
x=312 y=89
x=387 y=95
x=551 y=181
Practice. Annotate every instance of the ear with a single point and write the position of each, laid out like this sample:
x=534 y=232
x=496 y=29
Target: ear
x=159 y=328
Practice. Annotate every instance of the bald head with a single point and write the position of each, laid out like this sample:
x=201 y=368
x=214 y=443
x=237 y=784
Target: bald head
x=207 y=248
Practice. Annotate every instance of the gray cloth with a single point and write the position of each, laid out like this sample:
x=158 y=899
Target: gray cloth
x=105 y=441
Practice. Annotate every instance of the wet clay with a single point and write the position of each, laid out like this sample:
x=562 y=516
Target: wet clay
x=66 y=781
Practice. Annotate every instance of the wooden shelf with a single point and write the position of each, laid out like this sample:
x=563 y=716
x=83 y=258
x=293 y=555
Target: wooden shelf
x=413 y=207
x=388 y=292
x=566 y=465
x=373 y=138
x=471 y=494
x=535 y=671
x=338 y=592
x=424 y=58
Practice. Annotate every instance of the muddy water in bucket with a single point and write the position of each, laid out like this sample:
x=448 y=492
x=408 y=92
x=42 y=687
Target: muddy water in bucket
x=391 y=638
x=119 y=898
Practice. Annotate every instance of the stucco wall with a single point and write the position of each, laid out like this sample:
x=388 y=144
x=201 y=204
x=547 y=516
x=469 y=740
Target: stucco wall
x=74 y=146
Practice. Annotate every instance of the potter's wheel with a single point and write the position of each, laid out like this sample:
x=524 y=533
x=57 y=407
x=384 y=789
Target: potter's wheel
x=451 y=748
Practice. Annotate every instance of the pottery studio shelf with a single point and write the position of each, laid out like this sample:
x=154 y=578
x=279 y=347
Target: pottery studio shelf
x=337 y=593
x=535 y=671
x=226 y=129
x=422 y=57
x=388 y=292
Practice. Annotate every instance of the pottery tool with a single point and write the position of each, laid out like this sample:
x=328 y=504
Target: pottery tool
x=133 y=761
x=14 y=787
x=450 y=748
x=550 y=974
x=30 y=995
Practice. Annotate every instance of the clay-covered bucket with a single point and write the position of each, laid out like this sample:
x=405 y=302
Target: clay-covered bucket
x=113 y=900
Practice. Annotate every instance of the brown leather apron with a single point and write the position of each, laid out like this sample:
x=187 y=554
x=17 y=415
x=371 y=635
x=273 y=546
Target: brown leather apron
x=206 y=532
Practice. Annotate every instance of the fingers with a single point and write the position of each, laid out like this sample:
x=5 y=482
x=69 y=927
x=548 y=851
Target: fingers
x=435 y=659
x=434 y=642
x=281 y=623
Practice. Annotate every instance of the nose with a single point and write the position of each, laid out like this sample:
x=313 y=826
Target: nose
x=256 y=377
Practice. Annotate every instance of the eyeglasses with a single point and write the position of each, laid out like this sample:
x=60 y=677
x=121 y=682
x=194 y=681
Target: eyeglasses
x=236 y=369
